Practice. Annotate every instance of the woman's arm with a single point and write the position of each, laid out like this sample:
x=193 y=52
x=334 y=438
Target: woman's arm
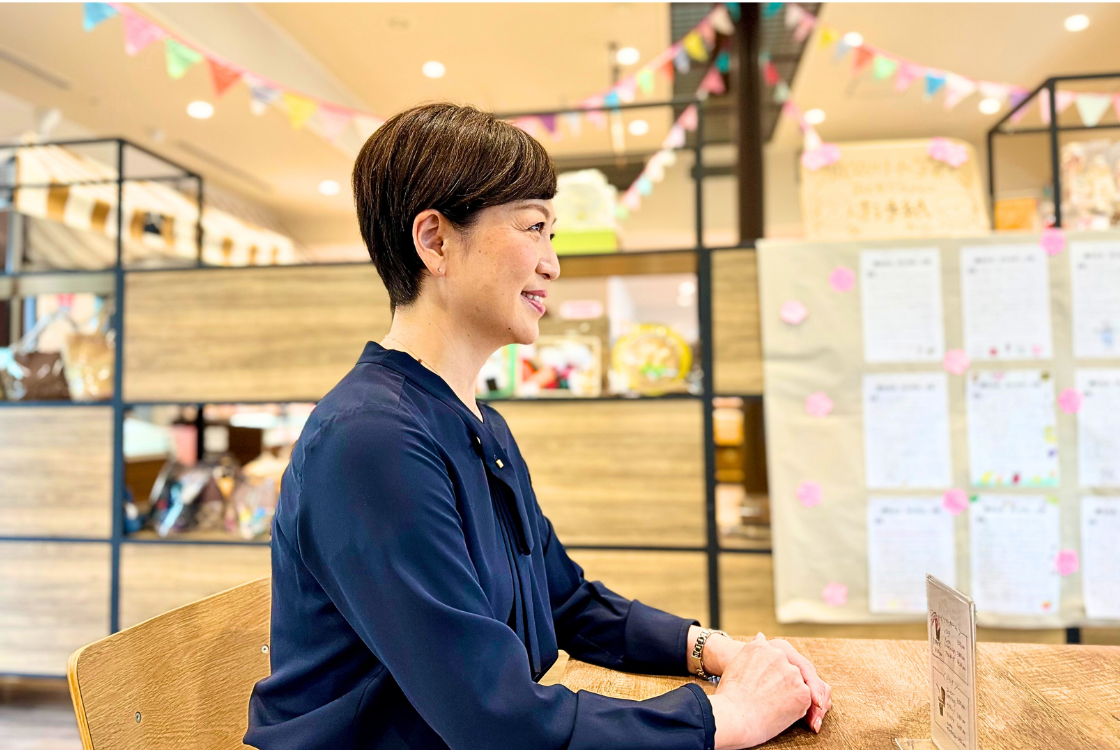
x=377 y=526
x=599 y=626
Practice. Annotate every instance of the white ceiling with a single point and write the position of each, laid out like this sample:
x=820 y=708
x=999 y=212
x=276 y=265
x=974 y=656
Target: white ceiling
x=501 y=56
x=1019 y=43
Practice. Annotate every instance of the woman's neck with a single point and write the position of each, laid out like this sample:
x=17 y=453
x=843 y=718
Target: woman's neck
x=449 y=350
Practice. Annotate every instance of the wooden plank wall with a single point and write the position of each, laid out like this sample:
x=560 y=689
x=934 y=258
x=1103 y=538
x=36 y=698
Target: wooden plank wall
x=56 y=471
x=737 y=337
x=248 y=334
x=54 y=599
x=616 y=472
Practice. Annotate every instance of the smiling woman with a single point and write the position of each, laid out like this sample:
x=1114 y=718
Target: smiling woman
x=418 y=592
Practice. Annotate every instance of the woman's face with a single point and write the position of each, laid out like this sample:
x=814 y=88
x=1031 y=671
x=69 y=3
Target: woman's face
x=499 y=272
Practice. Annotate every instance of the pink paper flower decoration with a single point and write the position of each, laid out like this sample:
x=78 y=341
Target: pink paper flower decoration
x=954 y=502
x=1069 y=401
x=1053 y=240
x=793 y=312
x=944 y=150
x=809 y=493
x=818 y=158
x=956 y=361
x=818 y=405
x=1067 y=562
x=835 y=595
x=842 y=279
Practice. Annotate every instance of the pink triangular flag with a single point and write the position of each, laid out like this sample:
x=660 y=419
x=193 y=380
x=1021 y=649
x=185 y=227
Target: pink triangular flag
x=907 y=73
x=139 y=33
x=1044 y=106
x=713 y=81
x=688 y=119
x=707 y=33
x=804 y=29
x=1064 y=99
x=957 y=89
x=333 y=121
x=1092 y=107
x=794 y=15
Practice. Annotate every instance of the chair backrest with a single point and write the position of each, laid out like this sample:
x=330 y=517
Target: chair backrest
x=178 y=681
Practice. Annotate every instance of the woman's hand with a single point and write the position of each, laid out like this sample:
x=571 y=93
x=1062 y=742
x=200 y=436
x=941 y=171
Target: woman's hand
x=760 y=694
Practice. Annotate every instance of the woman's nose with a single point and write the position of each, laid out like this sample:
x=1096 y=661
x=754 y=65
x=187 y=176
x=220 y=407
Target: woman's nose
x=549 y=266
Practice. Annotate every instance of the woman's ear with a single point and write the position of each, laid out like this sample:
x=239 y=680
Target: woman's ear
x=428 y=235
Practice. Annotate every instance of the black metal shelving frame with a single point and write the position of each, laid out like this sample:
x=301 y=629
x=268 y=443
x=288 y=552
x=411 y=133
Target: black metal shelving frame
x=1050 y=85
x=703 y=254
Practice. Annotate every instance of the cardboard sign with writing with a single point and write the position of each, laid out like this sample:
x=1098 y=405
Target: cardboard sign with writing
x=889 y=189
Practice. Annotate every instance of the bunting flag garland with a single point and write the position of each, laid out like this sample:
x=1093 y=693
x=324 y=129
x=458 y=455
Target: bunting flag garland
x=934 y=82
x=180 y=59
x=221 y=76
x=883 y=67
x=299 y=109
x=907 y=74
x=860 y=58
x=957 y=89
x=262 y=97
x=139 y=32
x=829 y=36
x=1091 y=108
x=694 y=45
x=331 y=120
x=95 y=13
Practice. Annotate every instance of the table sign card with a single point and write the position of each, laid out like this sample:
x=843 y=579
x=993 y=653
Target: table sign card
x=952 y=660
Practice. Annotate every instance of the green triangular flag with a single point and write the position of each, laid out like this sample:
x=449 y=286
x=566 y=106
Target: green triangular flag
x=645 y=80
x=883 y=67
x=179 y=58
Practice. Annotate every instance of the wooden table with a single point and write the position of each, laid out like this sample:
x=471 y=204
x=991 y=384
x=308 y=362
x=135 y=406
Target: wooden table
x=1045 y=697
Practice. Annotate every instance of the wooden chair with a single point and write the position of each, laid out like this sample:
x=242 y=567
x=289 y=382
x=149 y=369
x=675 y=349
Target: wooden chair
x=179 y=681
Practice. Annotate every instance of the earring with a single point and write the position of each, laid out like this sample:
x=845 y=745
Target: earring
x=441 y=270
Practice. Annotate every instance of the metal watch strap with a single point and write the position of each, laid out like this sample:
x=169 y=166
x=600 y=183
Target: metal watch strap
x=698 y=651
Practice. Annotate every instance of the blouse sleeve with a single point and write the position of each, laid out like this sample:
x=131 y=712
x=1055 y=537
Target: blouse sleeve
x=599 y=626
x=377 y=526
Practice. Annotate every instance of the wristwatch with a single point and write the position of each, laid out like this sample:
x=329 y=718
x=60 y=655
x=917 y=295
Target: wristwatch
x=698 y=651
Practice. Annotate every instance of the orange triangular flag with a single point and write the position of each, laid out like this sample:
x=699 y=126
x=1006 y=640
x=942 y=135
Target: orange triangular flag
x=299 y=109
x=222 y=76
x=860 y=59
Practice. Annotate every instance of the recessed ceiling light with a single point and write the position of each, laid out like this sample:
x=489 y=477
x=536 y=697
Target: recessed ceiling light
x=814 y=116
x=1080 y=22
x=853 y=39
x=433 y=69
x=686 y=288
x=200 y=110
x=329 y=187
x=638 y=127
x=990 y=105
x=628 y=56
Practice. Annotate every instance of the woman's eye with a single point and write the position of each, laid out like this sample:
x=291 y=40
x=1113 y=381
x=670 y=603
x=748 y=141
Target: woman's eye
x=539 y=226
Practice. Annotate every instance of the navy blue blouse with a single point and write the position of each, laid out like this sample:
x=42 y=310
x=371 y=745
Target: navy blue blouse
x=418 y=592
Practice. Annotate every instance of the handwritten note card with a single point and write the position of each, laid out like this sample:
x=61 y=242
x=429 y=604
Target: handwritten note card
x=906 y=430
x=907 y=538
x=902 y=313
x=1095 y=274
x=1013 y=541
x=1100 y=557
x=1012 y=437
x=1005 y=292
x=1098 y=428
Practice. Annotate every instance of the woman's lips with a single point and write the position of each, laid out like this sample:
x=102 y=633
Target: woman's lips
x=538 y=306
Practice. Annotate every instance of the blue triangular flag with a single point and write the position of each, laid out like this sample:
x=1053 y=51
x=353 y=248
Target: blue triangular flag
x=723 y=61
x=934 y=82
x=611 y=99
x=840 y=49
x=734 y=10
x=681 y=61
x=769 y=10
x=95 y=13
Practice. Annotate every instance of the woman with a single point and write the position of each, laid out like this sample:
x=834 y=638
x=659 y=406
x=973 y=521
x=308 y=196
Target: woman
x=418 y=592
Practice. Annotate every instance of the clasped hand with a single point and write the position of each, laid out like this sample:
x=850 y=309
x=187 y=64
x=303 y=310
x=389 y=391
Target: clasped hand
x=765 y=686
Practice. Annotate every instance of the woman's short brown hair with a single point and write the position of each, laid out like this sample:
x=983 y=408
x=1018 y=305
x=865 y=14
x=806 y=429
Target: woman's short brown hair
x=454 y=159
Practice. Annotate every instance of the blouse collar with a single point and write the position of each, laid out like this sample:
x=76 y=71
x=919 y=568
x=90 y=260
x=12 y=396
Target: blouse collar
x=484 y=443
